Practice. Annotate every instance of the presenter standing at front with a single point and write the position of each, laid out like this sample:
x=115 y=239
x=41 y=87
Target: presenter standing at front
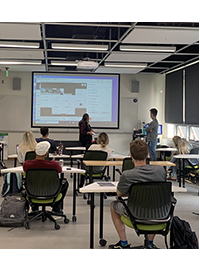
x=152 y=134
x=85 y=131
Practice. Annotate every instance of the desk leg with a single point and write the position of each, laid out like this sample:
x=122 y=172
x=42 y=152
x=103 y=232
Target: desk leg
x=179 y=173
x=183 y=173
x=113 y=173
x=90 y=174
x=15 y=162
x=74 y=199
x=92 y=221
x=102 y=241
x=71 y=162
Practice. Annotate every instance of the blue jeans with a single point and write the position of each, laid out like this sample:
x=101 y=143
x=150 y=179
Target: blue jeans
x=152 y=150
x=174 y=169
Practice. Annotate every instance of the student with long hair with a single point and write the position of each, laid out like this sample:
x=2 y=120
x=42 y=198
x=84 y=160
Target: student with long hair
x=85 y=130
x=28 y=144
x=183 y=147
x=102 y=144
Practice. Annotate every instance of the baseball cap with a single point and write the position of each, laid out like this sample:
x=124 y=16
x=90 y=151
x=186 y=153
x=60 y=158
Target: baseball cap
x=42 y=148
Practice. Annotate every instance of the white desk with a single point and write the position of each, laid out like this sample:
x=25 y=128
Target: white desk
x=96 y=188
x=13 y=156
x=71 y=149
x=164 y=150
x=66 y=170
x=183 y=158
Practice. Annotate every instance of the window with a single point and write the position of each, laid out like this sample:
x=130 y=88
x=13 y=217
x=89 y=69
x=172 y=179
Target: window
x=182 y=131
x=170 y=130
x=194 y=133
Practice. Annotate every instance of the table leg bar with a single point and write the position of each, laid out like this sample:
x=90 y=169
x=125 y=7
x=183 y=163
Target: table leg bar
x=183 y=173
x=101 y=216
x=92 y=221
x=74 y=199
x=179 y=173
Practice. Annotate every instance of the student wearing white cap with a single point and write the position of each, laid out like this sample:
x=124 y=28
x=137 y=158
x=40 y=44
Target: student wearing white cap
x=42 y=150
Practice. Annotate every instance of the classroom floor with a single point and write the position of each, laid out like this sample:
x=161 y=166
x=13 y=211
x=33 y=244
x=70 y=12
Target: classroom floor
x=75 y=235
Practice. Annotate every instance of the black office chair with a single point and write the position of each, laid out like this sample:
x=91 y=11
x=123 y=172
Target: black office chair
x=30 y=155
x=98 y=171
x=192 y=170
x=42 y=188
x=150 y=209
x=127 y=165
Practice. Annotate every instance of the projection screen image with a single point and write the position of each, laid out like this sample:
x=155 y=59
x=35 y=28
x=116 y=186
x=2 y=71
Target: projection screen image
x=60 y=99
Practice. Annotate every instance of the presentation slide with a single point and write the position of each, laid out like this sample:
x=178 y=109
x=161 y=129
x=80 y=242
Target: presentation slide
x=60 y=99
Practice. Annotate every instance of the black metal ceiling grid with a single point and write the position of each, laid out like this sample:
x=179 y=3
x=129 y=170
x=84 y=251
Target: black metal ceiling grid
x=108 y=33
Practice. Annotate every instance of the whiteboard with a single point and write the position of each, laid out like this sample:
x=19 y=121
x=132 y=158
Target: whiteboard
x=128 y=114
x=15 y=113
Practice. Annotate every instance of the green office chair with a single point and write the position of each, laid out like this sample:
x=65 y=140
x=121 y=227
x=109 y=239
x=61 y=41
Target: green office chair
x=42 y=188
x=127 y=165
x=150 y=209
x=98 y=171
x=192 y=170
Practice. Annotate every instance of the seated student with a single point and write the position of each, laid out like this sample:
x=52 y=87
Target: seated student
x=42 y=150
x=183 y=147
x=102 y=144
x=45 y=133
x=141 y=173
x=28 y=144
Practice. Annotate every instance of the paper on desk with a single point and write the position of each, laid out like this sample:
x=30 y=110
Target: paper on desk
x=106 y=184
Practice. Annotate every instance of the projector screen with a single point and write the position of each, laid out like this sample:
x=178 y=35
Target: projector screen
x=60 y=99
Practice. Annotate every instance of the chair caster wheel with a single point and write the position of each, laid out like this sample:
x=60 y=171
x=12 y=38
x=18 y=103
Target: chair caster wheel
x=102 y=242
x=71 y=176
x=27 y=226
x=88 y=202
x=57 y=227
x=73 y=218
x=66 y=221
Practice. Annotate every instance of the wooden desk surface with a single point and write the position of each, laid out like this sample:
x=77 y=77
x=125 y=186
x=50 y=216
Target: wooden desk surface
x=162 y=163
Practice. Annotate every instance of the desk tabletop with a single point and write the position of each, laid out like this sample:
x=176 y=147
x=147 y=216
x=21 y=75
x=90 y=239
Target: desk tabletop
x=12 y=156
x=96 y=188
x=76 y=148
x=65 y=169
x=189 y=156
x=170 y=149
x=58 y=156
x=102 y=163
x=162 y=163
x=113 y=156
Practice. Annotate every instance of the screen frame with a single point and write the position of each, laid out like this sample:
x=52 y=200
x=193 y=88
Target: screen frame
x=75 y=73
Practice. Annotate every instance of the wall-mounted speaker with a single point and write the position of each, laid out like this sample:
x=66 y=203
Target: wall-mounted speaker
x=16 y=83
x=135 y=87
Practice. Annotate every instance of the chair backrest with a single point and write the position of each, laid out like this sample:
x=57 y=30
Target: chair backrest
x=30 y=155
x=42 y=182
x=194 y=161
x=127 y=164
x=95 y=155
x=150 y=200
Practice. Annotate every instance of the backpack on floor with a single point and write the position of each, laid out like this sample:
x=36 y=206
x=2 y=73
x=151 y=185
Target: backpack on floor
x=12 y=184
x=13 y=210
x=181 y=235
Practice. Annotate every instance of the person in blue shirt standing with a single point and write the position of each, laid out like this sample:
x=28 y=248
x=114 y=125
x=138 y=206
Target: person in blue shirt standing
x=152 y=134
x=45 y=133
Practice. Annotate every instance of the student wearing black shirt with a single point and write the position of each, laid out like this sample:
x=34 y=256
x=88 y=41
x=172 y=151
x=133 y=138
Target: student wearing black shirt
x=45 y=133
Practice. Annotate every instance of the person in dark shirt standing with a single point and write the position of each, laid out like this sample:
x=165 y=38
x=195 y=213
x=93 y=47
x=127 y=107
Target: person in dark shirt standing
x=85 y=130
x=45 y=133
x=152 y=134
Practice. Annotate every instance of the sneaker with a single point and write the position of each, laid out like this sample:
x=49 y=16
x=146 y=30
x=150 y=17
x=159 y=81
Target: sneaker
x=152 y=247
x=118 y=246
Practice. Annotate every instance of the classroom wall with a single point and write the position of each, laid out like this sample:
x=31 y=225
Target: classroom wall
x=151 y=94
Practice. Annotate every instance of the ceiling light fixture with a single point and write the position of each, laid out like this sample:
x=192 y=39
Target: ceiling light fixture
x=10 y=62
x=10 y=44
x=79 y=47
x=63 y=63
x=147 y=48
x=125 y=65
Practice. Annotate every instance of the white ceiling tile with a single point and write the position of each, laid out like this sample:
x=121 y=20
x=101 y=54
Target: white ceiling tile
x=136 y=57
x=162 y=36
x=119 y=70
x=21 y=54
x=20 y=31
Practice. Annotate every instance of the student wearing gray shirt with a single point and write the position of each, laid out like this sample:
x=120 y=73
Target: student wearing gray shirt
x=141 y=173
x=152 y=134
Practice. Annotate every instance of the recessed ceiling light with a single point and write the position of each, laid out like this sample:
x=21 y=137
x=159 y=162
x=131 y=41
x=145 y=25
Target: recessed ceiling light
x=10 y=44
x=17 y=62
x=79 y=47
x=126 y=65
x=63 y=63
x=147 y=48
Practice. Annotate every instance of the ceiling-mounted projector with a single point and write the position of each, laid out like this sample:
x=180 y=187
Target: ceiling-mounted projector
x=87 y=65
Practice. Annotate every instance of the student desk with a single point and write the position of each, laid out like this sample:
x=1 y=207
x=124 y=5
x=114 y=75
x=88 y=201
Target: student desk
x=183 y=158
x=15 y=156
x=105 y=187
x=71 y=149
x=164 y=150
x=65 y=169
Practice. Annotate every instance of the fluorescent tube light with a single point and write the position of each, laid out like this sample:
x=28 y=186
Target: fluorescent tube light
x=126 y=65
x=7 y=62
x=63 y=63
x=181 y=67
x=147 y=48
x=79 y=47
x=10 y=44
